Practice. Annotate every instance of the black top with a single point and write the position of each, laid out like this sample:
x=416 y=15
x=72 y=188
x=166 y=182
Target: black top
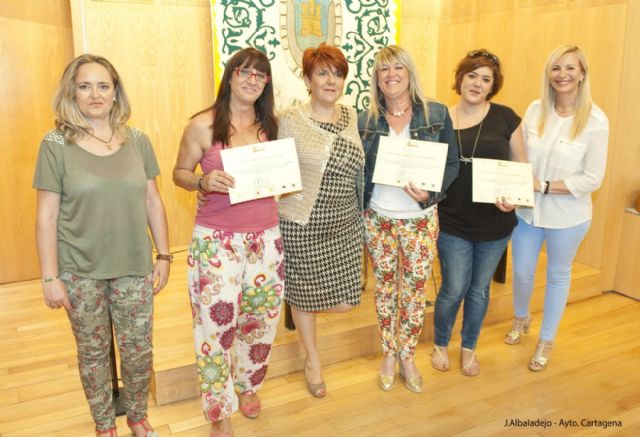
x=461 y=217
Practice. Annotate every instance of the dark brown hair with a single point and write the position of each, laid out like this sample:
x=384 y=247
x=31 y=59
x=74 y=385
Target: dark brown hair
x=324 y=56
x=476 y=59
x=264 y=105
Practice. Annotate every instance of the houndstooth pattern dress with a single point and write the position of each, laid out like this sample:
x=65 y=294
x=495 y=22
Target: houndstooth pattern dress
x=323 y=258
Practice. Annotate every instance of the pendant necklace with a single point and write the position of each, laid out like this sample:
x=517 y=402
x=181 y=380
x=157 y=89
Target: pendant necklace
x=399 y=114
x=106 y=143
x=468 y=159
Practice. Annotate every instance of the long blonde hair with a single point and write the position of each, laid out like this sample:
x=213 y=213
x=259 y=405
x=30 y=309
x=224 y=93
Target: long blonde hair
x=69 y=120
x=391 y=55
x=548 y=94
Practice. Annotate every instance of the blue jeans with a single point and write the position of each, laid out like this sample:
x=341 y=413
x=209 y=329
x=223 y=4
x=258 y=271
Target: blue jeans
x=562 y=245
x=467 y=268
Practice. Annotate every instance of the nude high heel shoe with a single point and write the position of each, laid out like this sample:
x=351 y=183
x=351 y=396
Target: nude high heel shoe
x=519 y=327
x=540 y=358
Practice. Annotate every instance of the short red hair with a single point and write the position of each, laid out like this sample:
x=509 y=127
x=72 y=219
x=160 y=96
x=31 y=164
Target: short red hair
x=324 y=56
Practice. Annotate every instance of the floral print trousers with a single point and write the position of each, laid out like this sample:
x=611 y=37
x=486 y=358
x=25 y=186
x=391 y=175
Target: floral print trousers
x=236 y=285
x=402 y=254
x=129 y=303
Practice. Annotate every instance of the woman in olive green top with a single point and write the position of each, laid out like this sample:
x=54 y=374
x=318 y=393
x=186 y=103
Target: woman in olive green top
x=96 y=197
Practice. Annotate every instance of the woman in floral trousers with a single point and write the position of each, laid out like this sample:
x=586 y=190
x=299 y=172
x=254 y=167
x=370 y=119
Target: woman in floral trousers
x=401 y=222
x=236 y=259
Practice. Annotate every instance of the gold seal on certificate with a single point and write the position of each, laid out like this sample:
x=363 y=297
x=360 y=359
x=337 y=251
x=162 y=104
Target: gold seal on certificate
x=262 y=169
x=401 y=160
x=493 y=179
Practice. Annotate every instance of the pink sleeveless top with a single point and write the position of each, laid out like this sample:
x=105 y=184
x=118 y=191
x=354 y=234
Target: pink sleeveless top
x=217 y=213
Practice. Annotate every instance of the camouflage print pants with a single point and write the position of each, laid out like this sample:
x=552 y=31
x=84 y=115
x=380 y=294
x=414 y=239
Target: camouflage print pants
x=129 y=300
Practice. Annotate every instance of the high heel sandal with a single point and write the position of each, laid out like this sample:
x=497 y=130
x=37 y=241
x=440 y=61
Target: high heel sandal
x=519 y=326
x=149 y=432
x=472 y=368
x=318 y=390
x=387 y=382
x=112 y=432
x=438 y=360
x=540 y=358
x=252 y=409
x=414 y=384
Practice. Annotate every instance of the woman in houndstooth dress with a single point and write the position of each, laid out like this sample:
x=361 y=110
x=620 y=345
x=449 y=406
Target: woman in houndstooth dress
x=322 y=225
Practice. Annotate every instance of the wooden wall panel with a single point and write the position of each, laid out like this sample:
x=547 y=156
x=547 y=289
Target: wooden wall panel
x=35 y=46
x=522 y=34
x=419 y=32
x=622 y=254
x=162 y=49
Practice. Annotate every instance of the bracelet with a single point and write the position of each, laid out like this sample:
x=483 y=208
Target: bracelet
x=49 y=279
x=546 y=187
x=165 y=257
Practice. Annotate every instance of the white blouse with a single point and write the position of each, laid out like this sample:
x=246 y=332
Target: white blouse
x=579 y=162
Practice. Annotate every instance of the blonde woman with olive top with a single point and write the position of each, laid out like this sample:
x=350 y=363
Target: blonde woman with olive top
x=566 y=137
x=97 y=197
x=473 y=236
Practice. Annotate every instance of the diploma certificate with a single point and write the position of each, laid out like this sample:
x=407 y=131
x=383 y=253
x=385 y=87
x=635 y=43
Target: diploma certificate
x=262 y=169
x=401 y=160
x=493 y=179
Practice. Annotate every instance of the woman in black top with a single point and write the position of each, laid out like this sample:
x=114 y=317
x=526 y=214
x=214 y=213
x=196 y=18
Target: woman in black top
x=473 y=236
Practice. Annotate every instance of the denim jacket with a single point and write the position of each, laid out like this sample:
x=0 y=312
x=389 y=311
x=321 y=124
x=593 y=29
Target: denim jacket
x=439 y=129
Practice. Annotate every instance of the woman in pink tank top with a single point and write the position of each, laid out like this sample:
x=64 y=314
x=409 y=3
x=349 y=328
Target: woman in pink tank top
x=236 y=263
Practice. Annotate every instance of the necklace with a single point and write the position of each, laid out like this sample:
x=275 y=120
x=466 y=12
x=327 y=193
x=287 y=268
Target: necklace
x=399 y=114
x=468 y=159
x=106 y=143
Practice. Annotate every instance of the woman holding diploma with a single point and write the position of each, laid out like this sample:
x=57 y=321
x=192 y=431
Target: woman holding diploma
x=322 y=224
x=566 y=137
x=473 y=236
x=236 y=270
x=401 y=222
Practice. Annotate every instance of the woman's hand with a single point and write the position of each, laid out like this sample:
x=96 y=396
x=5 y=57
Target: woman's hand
x=416 y=193
x=160 y=274
x=504 y=206
x=218 y=181
x=55 y=294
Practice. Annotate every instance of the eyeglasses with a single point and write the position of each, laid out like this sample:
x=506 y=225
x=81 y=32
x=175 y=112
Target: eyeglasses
x=247 y=73
x=490 y=56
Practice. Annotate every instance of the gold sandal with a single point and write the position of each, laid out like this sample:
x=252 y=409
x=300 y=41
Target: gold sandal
x=519 y=327
x=472 y=368
x=438 y=360
x=540 y=358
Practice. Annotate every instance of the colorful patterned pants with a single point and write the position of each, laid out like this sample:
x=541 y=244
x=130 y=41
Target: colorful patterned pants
x=236 y=284
x=129 y=301
x=402 y=253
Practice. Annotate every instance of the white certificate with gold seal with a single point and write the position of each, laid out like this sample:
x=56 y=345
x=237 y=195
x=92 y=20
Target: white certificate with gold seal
x=401 y=160
x=493 y=179
x=262 y=169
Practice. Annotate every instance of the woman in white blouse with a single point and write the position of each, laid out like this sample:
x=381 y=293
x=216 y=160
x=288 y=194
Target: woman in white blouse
x=566 y=139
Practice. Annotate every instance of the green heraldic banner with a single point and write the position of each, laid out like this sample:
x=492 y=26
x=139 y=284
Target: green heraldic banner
x=283 y=29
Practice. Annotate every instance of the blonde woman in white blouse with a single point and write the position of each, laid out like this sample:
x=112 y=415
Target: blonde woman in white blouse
x=566 y=138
